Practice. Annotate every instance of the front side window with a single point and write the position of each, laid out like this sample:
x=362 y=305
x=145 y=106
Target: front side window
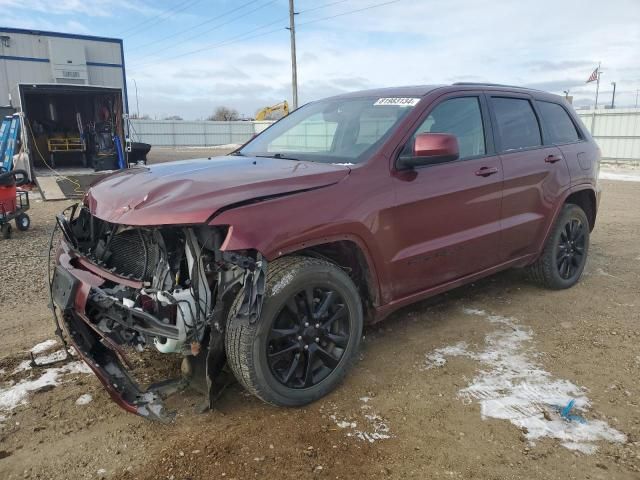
x=557 y=123
x=332 y=130
x=461 y=117
x=517 y=123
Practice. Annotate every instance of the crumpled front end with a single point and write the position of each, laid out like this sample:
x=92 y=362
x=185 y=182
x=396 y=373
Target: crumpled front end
x=121 y=288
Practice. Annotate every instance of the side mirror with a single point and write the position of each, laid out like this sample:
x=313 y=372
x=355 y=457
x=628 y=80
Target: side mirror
x=431 y=148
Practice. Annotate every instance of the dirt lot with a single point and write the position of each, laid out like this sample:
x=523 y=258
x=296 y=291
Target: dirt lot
x=431 y=397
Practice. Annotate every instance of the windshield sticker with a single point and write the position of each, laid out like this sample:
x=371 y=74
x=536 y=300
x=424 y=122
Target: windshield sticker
x=398 y=102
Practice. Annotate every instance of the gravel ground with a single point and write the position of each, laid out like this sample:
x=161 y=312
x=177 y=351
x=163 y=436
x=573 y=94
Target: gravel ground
x=411 y=408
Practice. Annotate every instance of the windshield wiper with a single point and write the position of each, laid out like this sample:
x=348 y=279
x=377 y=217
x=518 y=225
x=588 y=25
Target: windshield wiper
x=279 y=156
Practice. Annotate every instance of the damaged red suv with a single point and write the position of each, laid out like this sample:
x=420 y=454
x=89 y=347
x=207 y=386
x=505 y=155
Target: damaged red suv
x=270 y=260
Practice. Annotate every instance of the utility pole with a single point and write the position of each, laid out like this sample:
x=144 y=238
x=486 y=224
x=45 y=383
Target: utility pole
x=613 y=97
x=137 y=104
x=294 y=68
x=598 y=85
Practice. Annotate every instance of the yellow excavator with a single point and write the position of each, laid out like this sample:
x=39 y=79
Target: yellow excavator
x=274 y=112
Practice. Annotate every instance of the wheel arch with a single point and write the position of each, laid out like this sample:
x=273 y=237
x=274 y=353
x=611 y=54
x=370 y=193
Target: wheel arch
x=585 y=198
x=582 y=195
x=350 y=255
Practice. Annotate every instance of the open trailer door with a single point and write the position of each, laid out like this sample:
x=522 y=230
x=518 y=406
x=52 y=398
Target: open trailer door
x=74 y=136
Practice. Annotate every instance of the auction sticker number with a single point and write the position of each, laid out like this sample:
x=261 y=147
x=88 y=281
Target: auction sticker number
x=398 y=102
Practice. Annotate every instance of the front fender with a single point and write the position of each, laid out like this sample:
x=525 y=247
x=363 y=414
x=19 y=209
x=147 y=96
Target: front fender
x=275 y=230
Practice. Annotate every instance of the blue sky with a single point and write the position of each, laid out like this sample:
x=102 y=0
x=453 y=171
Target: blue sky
x=189 y=56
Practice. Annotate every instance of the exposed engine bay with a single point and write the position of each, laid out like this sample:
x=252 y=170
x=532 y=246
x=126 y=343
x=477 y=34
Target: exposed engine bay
x=169 y=288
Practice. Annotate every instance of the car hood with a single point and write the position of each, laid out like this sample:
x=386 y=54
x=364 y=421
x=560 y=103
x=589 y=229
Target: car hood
x=192 y=191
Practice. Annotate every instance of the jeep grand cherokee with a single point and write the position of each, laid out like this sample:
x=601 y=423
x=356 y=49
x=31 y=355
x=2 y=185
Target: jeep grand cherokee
x=271 y=259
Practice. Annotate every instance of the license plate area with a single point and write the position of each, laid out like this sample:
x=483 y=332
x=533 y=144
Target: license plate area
x=63 y=289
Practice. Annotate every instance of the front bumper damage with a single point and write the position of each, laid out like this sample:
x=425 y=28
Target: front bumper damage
x=102 y=323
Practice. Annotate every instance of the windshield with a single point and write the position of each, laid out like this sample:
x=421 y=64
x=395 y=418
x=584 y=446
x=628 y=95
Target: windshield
x=333 y=130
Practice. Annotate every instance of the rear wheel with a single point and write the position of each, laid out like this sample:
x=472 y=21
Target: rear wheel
x=306 y=337
x=565 y=252
x=23 y=222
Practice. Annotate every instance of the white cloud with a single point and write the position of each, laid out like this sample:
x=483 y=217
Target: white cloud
x=552 y=45
x=90 y=8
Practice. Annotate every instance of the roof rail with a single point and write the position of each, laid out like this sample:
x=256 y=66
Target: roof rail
x=486 y=84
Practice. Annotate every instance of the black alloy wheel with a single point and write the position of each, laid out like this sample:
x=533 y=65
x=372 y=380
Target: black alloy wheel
x=308 y=337
x=570 y=255
x=564 y=256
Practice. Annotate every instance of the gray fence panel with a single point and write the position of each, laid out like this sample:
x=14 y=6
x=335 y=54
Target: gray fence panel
x=617 y=132
x=170 y=133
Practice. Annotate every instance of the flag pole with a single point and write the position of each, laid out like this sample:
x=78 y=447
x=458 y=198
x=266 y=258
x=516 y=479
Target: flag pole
x=597 y=85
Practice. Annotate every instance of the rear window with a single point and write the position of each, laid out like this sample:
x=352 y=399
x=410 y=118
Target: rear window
x=557 y=123
x=517 y=123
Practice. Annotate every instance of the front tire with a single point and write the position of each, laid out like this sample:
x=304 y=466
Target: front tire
x=306 y=338
x=565 y=252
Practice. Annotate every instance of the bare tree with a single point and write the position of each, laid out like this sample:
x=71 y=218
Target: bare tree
x=224 y=114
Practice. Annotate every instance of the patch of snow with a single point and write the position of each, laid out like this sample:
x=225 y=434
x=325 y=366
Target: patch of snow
x=627 y=176
x=375 y=427
x=343 y=423
x=514 y=387
x=52 y=357
x=44 y=346
x=84 y=399
x=437 y=357
x=16 y=394
x=587 y=448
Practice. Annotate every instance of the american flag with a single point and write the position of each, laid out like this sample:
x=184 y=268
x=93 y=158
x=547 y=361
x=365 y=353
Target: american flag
x=594 y=76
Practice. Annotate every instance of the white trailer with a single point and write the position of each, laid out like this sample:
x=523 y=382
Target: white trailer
x=71 y=92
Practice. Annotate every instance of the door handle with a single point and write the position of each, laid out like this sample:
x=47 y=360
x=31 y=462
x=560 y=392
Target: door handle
x=486 y=171
x=553 y=158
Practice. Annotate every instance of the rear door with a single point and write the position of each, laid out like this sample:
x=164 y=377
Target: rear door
x=560 y=130
x=446 y=221
x=535 y=173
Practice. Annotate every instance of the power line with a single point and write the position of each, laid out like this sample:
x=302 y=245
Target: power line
x=229 y=41
x=233 y=39
x=242 y=37
x=214 y=28
x=186 y=5
x=315 y=20
x=164 y=39
x=321 y=6
x=160 y=14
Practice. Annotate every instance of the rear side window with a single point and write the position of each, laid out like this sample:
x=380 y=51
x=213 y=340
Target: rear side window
x=557 y=123
x=517 y=123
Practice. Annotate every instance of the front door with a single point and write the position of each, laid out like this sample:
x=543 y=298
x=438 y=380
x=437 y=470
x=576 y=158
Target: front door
x=446 y=220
